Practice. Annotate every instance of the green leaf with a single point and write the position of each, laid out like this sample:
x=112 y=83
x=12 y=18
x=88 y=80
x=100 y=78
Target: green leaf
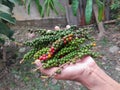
x=4 y=29
x=100 y=10
x=8 y=4
x=16 y=2
x=42 y=12
x=44 y=7
x=47 y=6
x=8 y=18
x=75 y=4
x=88 y=11
x=4 y=9
x=29 y=4
x=52 y=6
x=39 y=7
x=2 y=41
x=61 y=7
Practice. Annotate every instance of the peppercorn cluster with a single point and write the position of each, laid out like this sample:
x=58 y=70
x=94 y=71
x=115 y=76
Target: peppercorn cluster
x=55 y=48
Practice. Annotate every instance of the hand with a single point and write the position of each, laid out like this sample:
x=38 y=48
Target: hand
x=85 y=71
x=81 y=70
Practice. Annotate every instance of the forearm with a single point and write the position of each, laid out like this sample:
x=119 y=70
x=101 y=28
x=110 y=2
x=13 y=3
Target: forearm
x=98 y=80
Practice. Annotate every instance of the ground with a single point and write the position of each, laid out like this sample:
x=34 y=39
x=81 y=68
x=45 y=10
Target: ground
x=16 y=76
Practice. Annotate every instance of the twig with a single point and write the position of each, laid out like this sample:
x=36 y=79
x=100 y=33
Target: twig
x=111 y=21
x=3 y=73
x=4 y=53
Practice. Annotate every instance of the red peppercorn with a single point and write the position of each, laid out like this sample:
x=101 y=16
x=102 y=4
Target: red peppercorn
x=65 y=41
x=44 y=58
x=51 y=53
x=41 y=58
x=44 y=55
x=52 y=50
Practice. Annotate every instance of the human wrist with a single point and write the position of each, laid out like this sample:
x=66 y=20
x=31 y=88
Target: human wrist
x=96 y=79
x=88 y=76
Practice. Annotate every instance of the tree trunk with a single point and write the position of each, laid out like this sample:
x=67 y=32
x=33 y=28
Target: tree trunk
x=71 y=19
x=100 y=24
x=4 y=53
x=107 y=10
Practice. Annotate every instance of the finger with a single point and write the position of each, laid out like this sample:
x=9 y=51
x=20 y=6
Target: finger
x=88 y=61
x=38 y=63
x=48 y=72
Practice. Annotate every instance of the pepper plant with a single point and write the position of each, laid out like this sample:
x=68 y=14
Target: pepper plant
x=47 y=5
x=115 y=8
x=6 y=17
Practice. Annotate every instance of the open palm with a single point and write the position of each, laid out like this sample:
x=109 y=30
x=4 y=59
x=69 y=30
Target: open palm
x=81 y=69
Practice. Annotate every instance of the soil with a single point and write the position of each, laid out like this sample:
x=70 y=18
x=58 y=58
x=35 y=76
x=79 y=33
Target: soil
x=16 y=76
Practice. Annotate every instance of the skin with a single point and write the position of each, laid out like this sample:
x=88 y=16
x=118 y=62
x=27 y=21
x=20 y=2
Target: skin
x=85 y=71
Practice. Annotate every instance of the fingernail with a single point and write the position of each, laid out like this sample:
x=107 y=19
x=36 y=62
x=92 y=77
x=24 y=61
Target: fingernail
x=37 y=62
